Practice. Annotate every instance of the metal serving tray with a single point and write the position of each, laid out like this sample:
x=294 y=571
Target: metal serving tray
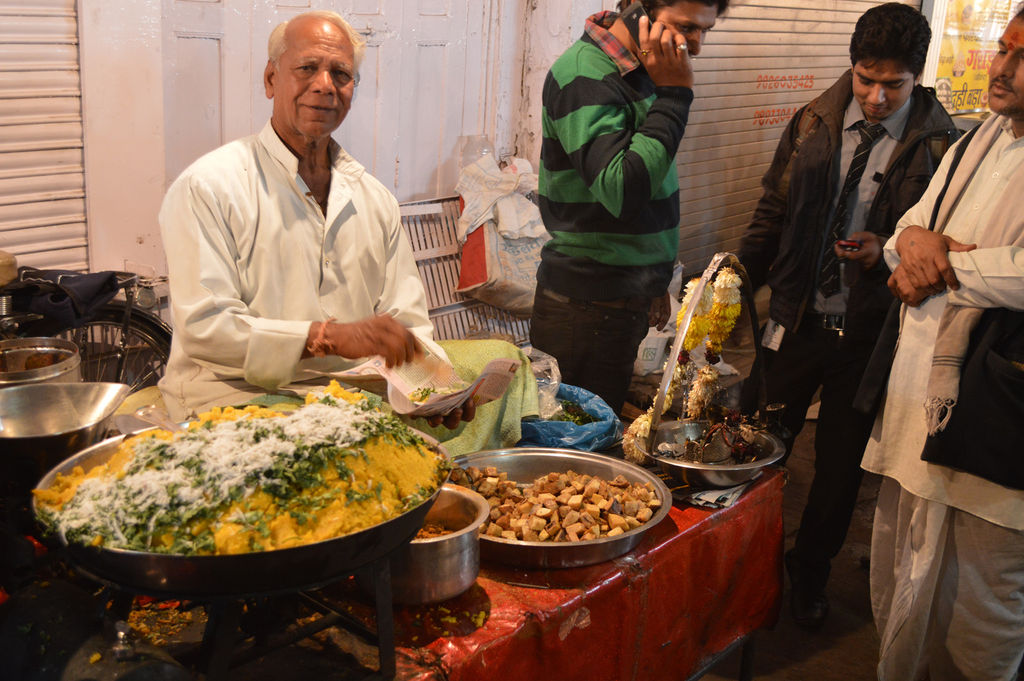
x=711 y=475
x=526 y=464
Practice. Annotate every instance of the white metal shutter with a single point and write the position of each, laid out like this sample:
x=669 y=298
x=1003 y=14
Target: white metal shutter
x=764 y=60
x=42 y=192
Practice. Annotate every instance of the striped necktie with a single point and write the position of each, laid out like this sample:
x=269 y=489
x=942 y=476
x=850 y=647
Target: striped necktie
x=828 y=278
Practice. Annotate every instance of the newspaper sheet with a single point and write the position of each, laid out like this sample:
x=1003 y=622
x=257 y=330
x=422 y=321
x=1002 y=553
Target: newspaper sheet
x=429 y=386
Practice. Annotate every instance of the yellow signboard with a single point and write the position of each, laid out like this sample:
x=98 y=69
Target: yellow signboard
x=969 y=42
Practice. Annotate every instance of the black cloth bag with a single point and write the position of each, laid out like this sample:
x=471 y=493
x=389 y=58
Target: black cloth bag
x=67 y=299
x=985 y=432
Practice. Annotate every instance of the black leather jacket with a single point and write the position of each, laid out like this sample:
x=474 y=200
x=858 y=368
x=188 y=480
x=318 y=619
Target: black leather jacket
x=784 y=241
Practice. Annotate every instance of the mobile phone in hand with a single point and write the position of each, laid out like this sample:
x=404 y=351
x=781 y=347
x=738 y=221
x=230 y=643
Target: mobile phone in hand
x=631 y=18
x=849 y=244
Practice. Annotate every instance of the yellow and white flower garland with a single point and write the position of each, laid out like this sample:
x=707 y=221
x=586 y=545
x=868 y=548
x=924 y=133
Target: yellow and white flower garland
x=713 y=319
x=725 y=309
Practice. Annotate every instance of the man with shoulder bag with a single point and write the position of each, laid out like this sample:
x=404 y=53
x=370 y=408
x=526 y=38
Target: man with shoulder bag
x=947 y=554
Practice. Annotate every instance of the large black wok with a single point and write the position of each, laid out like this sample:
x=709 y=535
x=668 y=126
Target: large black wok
x=240 y=575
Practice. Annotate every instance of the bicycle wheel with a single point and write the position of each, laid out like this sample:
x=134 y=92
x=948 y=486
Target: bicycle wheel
x=146 y=346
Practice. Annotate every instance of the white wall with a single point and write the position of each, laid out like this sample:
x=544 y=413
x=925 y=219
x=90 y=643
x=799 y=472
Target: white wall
x=166 y=80
x=549 y=28
x=122 y=76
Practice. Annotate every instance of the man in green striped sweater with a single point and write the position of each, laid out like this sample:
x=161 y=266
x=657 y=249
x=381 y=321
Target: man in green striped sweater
x=615 y=108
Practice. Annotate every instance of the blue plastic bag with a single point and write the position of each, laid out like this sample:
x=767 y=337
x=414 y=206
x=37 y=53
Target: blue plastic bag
x=590 y=437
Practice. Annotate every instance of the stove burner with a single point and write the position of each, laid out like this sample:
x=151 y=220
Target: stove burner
x=220 y=649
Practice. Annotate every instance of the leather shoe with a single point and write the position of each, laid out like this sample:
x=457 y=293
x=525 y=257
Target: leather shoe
x=808 y=604
x=809 y=609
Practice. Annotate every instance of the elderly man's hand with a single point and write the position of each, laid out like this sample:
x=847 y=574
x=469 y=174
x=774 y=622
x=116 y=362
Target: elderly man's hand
x=380 y=335
x=465 y=412
x=923 y=256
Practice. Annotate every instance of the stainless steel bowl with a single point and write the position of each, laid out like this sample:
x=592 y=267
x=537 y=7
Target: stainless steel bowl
x=718 y=475
x=439 y=568
x=526 y=464
x=18 y=354
x=42 y=424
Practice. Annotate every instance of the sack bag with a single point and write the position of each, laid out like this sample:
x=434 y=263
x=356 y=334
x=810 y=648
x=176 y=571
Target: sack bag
x=589 y=437
x=501 y=233
x=500 y=271
x=654 y=348
x=984 y=433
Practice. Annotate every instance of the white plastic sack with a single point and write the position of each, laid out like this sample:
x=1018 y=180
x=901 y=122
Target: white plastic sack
x=654 y=348
x=490 y=193
x=511 y=271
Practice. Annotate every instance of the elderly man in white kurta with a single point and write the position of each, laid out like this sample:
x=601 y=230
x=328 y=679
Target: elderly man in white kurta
x=286 y=258
x=947 y=556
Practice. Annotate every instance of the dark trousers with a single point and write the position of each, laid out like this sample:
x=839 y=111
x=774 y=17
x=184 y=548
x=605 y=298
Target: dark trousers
x=807 y=359
x=595 y=344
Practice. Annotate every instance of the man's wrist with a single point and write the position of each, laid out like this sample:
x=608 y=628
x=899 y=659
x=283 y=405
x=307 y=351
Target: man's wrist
x=901 y=240
x=681 y=92
x=317 y=343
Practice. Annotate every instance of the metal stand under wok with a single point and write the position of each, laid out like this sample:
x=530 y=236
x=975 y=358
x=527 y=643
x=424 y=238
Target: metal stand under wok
x=219 y=650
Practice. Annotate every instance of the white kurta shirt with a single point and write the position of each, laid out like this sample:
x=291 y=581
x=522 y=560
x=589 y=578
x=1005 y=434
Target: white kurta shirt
x=253 y=261
x=989 y=277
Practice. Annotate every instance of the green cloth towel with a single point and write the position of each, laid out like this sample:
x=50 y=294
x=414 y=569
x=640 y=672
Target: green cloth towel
x=497 y=424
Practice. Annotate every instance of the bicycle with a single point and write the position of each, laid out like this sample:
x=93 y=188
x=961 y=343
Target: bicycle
x=120 y=342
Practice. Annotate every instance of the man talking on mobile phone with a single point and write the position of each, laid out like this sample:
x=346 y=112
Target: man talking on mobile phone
x=849 y=165
x=615 y=108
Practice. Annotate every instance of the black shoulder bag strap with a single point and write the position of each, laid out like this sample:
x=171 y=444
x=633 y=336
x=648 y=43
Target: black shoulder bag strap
x=876 y=373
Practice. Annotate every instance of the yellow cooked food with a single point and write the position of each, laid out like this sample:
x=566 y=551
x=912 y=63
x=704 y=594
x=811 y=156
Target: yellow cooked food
x=242 y=480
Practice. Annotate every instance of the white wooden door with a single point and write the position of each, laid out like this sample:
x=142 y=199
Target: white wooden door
x=163 y=82
x=207 y=78
x=423 y=85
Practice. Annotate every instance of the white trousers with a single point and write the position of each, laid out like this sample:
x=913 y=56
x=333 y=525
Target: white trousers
x=947 y=591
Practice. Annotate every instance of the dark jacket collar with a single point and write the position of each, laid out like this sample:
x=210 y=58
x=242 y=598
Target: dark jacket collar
x=927 y=117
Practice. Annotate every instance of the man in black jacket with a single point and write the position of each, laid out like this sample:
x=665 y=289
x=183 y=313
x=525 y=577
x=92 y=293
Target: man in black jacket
x=849 y=164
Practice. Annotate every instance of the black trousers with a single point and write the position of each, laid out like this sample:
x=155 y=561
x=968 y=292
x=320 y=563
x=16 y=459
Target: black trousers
x=807 y=359
x=595 y=345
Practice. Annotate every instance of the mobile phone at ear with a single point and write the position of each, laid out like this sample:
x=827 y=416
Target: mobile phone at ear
x=631 y=18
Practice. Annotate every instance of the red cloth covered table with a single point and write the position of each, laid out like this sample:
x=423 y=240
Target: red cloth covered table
x=698 y=582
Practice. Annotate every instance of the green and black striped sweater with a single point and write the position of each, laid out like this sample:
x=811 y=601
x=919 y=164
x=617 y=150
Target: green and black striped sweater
x=609 y=190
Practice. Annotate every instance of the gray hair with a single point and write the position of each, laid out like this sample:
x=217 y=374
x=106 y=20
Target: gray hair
x=276 y=43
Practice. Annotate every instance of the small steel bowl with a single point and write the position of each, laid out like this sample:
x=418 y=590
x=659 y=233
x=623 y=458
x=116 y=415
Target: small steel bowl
x=63 y=361
x=439 y=568
x=716 y=475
